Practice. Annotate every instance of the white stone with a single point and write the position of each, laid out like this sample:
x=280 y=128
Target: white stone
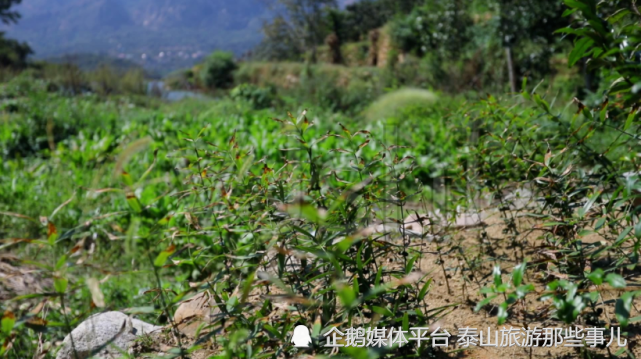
x=98 y=335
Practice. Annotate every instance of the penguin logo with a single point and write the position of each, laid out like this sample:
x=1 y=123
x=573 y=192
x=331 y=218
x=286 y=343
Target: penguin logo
x=301 y=337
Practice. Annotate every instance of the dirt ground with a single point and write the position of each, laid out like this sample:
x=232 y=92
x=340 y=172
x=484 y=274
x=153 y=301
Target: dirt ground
x=461 y=291
x=465 y=293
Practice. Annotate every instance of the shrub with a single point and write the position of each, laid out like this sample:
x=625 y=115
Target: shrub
x=258 y=97
x=105 y=80
x=133 y=82
x=217 y=71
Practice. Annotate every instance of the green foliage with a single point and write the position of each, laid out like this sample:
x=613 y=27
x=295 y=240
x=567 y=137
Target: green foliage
x=443 y=27
x=13 y=53
x=359 y=18
x=217 y=70
x=90 y=62
x=7 y=15
x=301 y=27
x=259 y=97
x=464 y=41
x=392 y=104
x=319 y=87
x=134 y=82
x=133 y=215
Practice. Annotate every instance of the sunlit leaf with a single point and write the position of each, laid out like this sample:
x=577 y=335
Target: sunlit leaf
x=60 y=284
x=615 y=280
x=517 y=274
x=162 y=256
x=7 y=322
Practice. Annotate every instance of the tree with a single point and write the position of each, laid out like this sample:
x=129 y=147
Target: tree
x=300 y=28
x=12 y=53
x=529 y=21
x=439 y=27
x=448 y=31
x=7 y=15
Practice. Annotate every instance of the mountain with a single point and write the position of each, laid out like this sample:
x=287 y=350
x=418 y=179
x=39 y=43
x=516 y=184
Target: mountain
x=161 y=35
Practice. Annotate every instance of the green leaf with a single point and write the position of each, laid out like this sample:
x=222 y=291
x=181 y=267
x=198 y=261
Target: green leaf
x=596 y=276
x=359 y=260
x=496 y=272
x=316 y=328
x=406 y=321
x=379 y=274
x=542 y=103
x=615 y=280
x=484 y=302
x=588 y=205
x=604 y=113
x=273 y=331
x=307 y=211
x=619 y=85
x=61 y=262
x=382 y=311
x=630 y=120
x=523 y=290
x=133 y=202
x=579 y=51
x=622 y=308
x=7 y=323
x=162 y=257
x=423 y=292
x=60 y=284
x=517 y=275
x=346 y=295
x=618 y=15
x=126 y=178
x=622 y=236
x=502 y=314
x=587 y=10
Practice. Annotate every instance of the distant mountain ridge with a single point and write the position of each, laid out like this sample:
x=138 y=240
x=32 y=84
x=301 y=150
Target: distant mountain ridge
x=156 y=33
x=159 y=34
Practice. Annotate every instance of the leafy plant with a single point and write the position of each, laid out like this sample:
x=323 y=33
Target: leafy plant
x=217 y=70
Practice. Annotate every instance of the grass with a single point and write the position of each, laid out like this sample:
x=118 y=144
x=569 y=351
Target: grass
x=157 y=201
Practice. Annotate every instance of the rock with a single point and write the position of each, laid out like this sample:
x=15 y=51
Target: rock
x=421 y=223
x=98 y=335
x=194 y=312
